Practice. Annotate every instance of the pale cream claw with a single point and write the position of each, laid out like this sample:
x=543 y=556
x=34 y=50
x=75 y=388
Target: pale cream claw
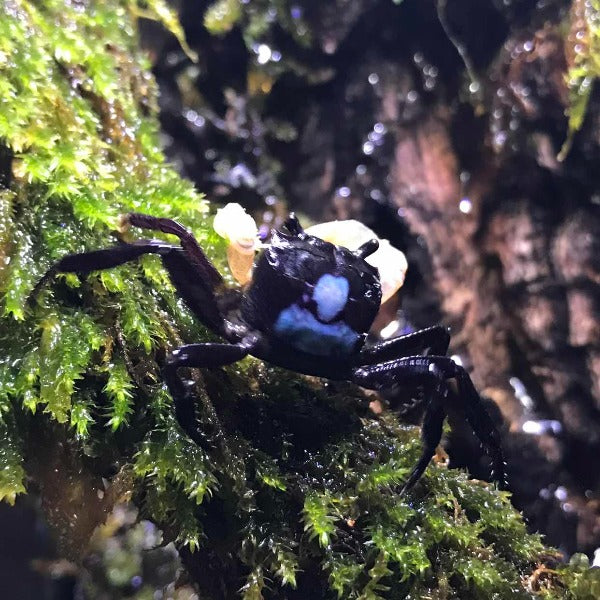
x=235 y=225
x=351 y=234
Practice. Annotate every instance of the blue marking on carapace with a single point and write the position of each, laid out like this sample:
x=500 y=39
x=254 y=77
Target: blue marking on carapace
x=330 y=295
x=299 y=327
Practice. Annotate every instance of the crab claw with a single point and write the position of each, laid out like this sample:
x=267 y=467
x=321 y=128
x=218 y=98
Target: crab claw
x=234 y=224
x=390 y=262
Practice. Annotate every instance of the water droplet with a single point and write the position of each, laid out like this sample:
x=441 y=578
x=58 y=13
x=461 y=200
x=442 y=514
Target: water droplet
x=390 y=329
x=521 y=393
x=457 y=360
x=465 y=206
x=194 y=118
x=172 y=59
x=264 y=54
x=500 y=139
x=560 y=493
x=545 y=494
x=541 y=427
x=368 y=148
x=330 y=46
x=376 y=194
x=263 y=232
x=373 y=78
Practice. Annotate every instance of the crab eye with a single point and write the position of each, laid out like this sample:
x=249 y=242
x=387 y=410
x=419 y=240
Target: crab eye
x=367 y=248
x=293 y=225
x=363 y=243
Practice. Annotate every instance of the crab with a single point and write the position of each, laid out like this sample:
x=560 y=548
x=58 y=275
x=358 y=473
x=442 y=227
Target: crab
x=308 y=307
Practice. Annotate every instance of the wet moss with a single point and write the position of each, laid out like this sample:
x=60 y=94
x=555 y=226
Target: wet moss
x=296 y=495
x=582 y=46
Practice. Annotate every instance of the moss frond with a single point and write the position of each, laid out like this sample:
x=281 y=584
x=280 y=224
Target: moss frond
x=583 y=44
x=318 y=520
x=12 y=473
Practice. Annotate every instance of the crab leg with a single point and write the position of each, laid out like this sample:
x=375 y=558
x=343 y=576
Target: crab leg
x=203 y=356
x=432 y=372
x=198 y=293
x=433 y=339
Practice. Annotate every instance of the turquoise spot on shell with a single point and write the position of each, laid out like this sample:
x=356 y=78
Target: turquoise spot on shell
x=330 y=295
x=299 y=327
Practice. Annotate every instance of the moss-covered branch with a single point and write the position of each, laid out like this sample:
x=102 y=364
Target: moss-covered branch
x=299 y=497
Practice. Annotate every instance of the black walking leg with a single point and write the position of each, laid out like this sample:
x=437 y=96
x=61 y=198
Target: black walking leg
x=203 y=356
x=432 y=373
x=433 y=339
x=196 y=291
x=192 y=249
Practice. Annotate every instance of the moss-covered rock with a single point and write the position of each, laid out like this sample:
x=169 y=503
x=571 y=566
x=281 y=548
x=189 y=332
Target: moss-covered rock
x=298 y=498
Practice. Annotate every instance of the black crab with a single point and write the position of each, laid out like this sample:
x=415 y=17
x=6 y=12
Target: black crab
x=308 y=308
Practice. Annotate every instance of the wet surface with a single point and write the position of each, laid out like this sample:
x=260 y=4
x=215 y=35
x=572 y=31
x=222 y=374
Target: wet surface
x=443 y=139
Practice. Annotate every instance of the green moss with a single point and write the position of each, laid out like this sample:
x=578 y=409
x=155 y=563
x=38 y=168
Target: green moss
x=222 y=16
x=256 y=19
x=297 y=491
x=12 y=473
x=72 y=122
x=584 y=39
